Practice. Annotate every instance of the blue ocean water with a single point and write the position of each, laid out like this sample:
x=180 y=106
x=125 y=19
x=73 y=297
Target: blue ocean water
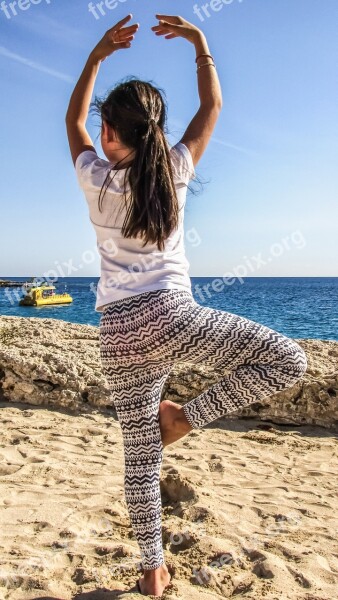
x=299 y=307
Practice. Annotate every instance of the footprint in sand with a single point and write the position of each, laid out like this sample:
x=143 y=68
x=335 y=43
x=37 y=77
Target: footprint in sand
x=9 y=469
x=176 y=488
x=41 y=526
x=215 y=464
x=17 y=439
x=178 y=456
x=120 y=551
x=200 y=516
x=180 y=538
x=299 y=577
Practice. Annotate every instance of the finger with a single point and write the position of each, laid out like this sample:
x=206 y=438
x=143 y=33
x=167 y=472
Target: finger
x=165 y=26
x=130 y=28
x=124 y=30
x=165 y=23
x=171 y=36
x=170 y=29
x=174 y=26
x=158 y=33
x=124 y=20
x=121 y=45
x=167 y=17
x=121 y=39
x=129 y=38
x=169 y=20
x=120 y=24
x=124 y=36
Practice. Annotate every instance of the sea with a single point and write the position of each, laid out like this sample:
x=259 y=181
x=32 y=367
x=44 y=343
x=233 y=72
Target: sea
x=298 y=307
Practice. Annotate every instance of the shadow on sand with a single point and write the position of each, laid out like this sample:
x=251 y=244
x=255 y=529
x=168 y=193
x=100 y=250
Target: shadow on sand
x=97 y=594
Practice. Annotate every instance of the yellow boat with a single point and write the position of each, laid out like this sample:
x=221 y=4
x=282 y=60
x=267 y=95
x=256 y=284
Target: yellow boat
x=44 y=295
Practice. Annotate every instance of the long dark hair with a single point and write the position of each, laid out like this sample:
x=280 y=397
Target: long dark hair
x=137 y=112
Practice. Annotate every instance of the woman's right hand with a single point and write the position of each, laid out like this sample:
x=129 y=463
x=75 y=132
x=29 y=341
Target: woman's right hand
x=174 y=26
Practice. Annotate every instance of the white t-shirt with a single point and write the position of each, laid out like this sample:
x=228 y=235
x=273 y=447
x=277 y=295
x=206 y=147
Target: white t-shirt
x=127 y=269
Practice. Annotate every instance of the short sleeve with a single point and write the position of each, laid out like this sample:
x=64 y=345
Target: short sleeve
x=182 y=162
x=90 y=169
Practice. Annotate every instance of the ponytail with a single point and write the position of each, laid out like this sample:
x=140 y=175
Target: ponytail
x=137 y=112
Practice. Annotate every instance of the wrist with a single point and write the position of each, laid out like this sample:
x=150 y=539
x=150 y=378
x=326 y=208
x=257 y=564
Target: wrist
x=95 y=58
x=198 y=37
x=201 y=44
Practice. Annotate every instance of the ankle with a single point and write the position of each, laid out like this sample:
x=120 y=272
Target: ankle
x=181 y=421
x=150 y=574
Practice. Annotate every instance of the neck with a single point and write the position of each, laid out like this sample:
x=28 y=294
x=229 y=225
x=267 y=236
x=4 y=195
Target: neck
x=126 y=156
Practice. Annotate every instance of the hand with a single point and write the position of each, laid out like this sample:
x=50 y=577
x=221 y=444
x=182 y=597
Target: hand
x=116 y=38
x=171 y=26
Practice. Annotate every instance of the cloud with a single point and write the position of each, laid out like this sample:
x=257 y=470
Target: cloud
x=35 y=65
x=178 y=123
x=233 y=146
x=43 y=25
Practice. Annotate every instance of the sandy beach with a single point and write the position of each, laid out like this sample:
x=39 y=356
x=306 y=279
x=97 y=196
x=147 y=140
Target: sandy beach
x=249 y=510
x=168 y=230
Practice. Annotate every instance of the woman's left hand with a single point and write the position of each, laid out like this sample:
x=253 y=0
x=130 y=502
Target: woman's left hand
x=116 y=38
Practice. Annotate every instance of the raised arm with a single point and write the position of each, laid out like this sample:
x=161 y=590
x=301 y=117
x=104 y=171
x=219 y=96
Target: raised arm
x=199 y=130
x=116 y=38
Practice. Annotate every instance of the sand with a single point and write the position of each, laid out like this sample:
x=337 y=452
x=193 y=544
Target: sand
x=249 y=510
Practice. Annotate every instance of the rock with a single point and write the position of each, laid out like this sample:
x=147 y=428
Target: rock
x=57 y=363
x=81 y=576
x=264 y=570
x=59 y=367
x=176 y=488
x=242 y=584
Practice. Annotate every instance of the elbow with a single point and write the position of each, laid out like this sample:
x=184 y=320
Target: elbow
x=73 y=120
x=69 y=116
x=213 y=105
x=218 y=100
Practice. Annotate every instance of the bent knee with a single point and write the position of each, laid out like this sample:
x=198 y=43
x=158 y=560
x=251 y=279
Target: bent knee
x=293 y=360
x=301 y=360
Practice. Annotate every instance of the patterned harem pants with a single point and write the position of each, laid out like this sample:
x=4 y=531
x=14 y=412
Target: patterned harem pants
x=141 y=338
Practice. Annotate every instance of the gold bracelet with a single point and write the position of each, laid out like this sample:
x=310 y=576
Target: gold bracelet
x=200 y=55
x=206 y=65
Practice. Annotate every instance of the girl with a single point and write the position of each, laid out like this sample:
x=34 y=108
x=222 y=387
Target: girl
x=149 y=318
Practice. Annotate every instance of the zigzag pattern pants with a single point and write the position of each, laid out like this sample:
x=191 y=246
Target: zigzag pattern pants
x=141 y=338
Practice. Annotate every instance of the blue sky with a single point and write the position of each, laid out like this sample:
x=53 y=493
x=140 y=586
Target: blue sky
x=269 y=202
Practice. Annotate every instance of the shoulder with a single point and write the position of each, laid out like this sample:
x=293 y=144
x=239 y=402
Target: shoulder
x=89 y=161
x=91 y=171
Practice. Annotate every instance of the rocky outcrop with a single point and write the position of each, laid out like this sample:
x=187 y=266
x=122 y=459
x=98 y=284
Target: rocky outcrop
x=57 y=363
x=8 y=283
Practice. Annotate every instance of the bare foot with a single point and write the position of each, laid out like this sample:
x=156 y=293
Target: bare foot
x=173 y=422
x=154 y=582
